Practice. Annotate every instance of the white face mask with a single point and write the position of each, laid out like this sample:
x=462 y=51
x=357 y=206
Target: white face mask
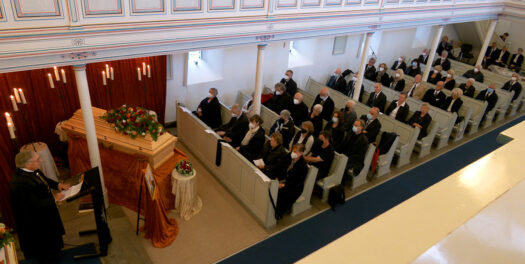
x=513 y=79
x=294 y=155
x=234 y=115
x=398 y=75
x=277 y=93
x=449 y=75
x=335 y=119
x=251 y=125
x=476 y=70
x=286 y=77
x=295 y=101
x=324 y=97
x=381 y=68
x=400 y=59
x=210 y=95
x=354 y=78
x=335 y=74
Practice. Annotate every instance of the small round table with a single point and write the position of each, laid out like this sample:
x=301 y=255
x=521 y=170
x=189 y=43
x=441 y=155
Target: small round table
x=187 y=202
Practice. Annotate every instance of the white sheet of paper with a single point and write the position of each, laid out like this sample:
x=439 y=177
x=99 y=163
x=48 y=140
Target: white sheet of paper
x=73 y=190
x=259 y=162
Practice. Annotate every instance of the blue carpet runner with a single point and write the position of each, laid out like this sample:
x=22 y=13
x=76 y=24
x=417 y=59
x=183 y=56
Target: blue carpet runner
x=298 y=241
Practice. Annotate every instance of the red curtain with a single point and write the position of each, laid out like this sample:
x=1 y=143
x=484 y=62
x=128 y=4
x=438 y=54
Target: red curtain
x=36 y=120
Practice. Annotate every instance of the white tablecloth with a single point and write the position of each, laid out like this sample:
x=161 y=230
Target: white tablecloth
x=48 y=163
x=187 y=202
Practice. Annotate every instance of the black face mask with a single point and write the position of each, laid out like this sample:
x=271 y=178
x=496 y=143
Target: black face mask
x=347 y=109
x=303 y=130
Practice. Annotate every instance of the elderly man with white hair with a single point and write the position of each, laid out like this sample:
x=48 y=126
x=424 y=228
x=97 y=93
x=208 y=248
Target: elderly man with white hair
x=349 y=115
x=323 y=98
x=453 y=103
x=475 y=73
x=337 y=81
x=298 y=109
x=468 y=88
x=233 y=131
x=317 y=119
x=421 y=119
x=443 y=61
x=285 y=126
x=513 y=85
x=37 y=220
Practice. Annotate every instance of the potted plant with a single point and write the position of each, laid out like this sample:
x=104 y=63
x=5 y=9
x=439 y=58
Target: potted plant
x=184 y=168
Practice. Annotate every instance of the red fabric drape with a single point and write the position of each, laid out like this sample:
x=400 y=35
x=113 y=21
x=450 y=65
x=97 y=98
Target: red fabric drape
x=45 y=107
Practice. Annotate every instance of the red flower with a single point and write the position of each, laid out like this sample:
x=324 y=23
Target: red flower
x=132 y=119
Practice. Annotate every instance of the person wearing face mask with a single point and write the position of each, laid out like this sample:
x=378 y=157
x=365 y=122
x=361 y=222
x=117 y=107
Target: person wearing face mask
x=298 y=109
x=351 y=87
x=448 y=81
x=209 y=109
x=475 y=73
x=285 y=126
x=443 y=61
x=423 y=57
x=323 y=98
x=416 y=89
x=289 y=83
x=253 y=140
x=399 y=64
x=354 y=146
x=275 y=158
x=453 y=103
x=435 y=97
x=349 y=115
x=370 y=70
x=337 y=81
x=305 y=137
x=422 y=120
x=490 y=96
x=322 y=155
x=292 y=186
x=397 y=82
x=468 y=88
x=336 y=128
x=317 y=119
x=377 y=98
x=414 y=68
x=398 y=109
x=381 y=75
x=516 y=60
x=233 y=131
x=249 y=107
x=435 y=75
x=513 y=85
x=280 y=100
x=372 y=124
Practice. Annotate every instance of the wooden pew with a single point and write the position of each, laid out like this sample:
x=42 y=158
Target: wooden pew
x=335 y=175
x=244 y=181
x=303 y=202
x=360 y=179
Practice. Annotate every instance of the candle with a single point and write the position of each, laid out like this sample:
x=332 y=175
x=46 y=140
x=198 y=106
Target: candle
x=112 y=74
x=149 y=72
x=144 y=68
x=139 y=75
x=15 y=107
x=107 y=71
x=104 y=77
x=11 y=128
x=56 y=73
x=64 y=76
x=50 y=80
x=21 y=92
x=17 y=97
x=8 y=118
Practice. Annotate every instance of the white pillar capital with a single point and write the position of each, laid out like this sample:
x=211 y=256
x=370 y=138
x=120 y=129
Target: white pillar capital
x=261 y=46
x=79 y=67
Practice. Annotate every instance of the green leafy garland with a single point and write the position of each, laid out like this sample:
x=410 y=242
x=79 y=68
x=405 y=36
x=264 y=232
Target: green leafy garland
x=134 y=121
x=5 y=236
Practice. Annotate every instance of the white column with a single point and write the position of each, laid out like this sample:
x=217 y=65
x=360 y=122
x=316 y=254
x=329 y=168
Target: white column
x=361 y=73
x=488 y=37
x=432 y=54
x=259 y=79
x=89 y=122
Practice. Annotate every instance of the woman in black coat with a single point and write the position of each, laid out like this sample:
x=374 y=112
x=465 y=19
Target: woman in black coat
x=397 y=82
x=253 y=141
x=448 y=80
x=414 y=68
x=293 y=186
x=381 y=75
x=275 y=158
x=336 y=128
x=435 y=76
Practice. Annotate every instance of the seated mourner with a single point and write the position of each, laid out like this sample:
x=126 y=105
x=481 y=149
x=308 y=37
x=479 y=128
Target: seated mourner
x=253 y=140
x=285 y=126
x=354 y=146
x=209 y=110
x=275 y=158
x=305 y=137
x=422 y=120
x=336 y=128
x=233 y=132
x=322 y=154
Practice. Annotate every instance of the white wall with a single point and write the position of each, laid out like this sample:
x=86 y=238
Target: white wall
x=515 y=30
x=237 y=65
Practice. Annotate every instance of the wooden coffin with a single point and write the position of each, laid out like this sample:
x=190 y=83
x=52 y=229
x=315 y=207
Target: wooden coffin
x=156 y=151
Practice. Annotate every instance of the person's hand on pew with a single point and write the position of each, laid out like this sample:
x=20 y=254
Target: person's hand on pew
x=221 y=133
x=238 y=148
x=227 y=139
x=281 y=185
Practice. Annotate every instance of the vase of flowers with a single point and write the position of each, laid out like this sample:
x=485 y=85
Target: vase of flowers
x=184 y=168
x=134 y=121
x=7 y=247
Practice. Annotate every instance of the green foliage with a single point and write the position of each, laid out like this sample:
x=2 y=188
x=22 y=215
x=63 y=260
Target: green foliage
x=134 y=122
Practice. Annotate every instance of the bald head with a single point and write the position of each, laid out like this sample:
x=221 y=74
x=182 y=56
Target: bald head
x=236 y=109
x=324 y=92
x=338 y=71
x=439 y=85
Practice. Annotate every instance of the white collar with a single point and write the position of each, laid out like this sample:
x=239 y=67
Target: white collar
x=403 y=104
x=26 y=170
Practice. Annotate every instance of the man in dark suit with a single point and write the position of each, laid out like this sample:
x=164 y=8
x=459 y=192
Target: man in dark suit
x=400 y=64
x=513 y=85
x=422 y=120
x=289 y=83
x=253 y=140
x=453 y=103
x=370 y=70
x=475 y=73
x=349 y=115
x=444 y=45
x=351 y=87
x=337 y=81
x=372 y=124
x=298 y=110
x=354 y=146
x=293 y=185
x=423 y=57
x=280 y=99
x=516 y=60
x=490 y=55
x=398 y=109
x=377 y=98
x=490 y=96
x=443 y=61
x=323 y=98
x=502 y=57
x=209 y=110
x=435 y=97
x=37 y=220
x=235 y=130
x=468 y=88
